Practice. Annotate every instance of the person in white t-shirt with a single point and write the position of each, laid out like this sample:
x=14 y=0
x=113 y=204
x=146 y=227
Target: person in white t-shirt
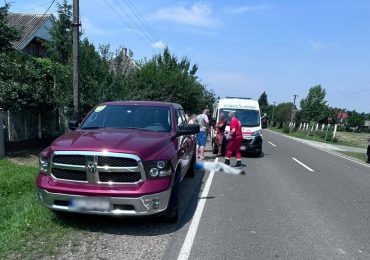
x=203 y=122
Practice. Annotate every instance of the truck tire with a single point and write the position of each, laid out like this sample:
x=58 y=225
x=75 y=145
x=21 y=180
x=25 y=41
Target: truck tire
x=259 y=152
x=191 y=171
x=172 y=212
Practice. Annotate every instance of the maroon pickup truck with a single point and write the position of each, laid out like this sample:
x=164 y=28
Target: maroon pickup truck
x=126 y=158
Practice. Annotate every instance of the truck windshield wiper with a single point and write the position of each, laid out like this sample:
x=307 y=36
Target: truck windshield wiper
x=137 y=128
x=91 y=127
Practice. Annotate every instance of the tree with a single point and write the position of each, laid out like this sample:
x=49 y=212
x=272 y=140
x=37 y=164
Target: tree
x=26 y=83
x=313 y=107
x=166 y=78
x=262 y=101
x=8 y=34
x=283 y=112
x=59 y=47
x=355 y=120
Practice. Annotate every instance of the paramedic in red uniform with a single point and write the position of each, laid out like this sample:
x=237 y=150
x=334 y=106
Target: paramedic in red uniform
x=234 y=141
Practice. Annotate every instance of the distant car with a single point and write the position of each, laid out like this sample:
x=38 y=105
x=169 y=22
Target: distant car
x=248 y=112
x=126 y=158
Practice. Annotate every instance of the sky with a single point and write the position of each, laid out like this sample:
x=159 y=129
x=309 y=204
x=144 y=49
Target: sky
x=243 y=48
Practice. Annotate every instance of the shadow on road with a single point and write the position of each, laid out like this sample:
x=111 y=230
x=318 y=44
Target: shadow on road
x=138 y=226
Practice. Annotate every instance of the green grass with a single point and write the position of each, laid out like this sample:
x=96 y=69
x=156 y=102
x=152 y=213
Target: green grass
x=342 y=138
x=360 y=156
x=353 y=139
x=27 y=230
x=299 y=134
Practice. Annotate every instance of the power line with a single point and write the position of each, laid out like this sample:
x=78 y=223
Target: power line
x=127 y=24
x=134 y=22
x=146 y=25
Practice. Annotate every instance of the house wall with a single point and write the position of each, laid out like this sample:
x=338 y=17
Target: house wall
x=35 y=48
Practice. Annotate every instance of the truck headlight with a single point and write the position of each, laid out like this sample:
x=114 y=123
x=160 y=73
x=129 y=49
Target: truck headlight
x=154 y=169
x=256 y=133
x=44 y=164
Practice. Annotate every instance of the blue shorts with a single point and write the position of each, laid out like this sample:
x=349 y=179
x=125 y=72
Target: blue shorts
x=202 y=138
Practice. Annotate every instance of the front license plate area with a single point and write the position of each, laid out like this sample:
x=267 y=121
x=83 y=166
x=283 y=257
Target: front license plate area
x=243 y=148
x=90 y=204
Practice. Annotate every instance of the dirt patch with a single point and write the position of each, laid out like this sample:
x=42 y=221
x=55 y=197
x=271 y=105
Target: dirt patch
x=25 y=158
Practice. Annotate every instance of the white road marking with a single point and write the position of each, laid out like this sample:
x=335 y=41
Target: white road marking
x=190 y=236
x=301 y=163
x=274 y=145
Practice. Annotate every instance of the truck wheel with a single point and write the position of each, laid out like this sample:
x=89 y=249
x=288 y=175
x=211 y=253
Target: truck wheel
x=172 y=212
x=259 y=152
x=191 y=171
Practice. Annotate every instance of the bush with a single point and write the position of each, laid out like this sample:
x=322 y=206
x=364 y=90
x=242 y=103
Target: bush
x=286 y=129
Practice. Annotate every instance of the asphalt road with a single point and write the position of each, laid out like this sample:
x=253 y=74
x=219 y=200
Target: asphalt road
x=295 y=202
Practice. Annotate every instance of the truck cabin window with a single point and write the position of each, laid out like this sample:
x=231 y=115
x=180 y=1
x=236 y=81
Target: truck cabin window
x=248 y=118
x=146 y=118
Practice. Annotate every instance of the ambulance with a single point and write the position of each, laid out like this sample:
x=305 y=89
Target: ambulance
x=247 y=111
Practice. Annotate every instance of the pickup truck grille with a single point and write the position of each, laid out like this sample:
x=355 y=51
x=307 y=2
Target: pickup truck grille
x=102 y=160
x=70 y=159
x=69 y=175
x=116 y=161
x=119 y=176
x=97 y=167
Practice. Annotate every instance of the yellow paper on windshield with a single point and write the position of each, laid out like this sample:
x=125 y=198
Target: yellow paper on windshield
x=99 y=108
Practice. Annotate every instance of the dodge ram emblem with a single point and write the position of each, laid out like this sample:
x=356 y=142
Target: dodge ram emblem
x=91 y=167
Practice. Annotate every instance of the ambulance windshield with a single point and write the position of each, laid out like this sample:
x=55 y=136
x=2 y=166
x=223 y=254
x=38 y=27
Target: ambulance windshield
x=248 y=118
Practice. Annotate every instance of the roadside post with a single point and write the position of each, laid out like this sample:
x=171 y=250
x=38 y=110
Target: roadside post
x=327 y=129
x=2 y=141
x=335 y=131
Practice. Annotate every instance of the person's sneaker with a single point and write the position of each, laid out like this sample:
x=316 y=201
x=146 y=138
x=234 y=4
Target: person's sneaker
x=227 y=161
x=238 y=164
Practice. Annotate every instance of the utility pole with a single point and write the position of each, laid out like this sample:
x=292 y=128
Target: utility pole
x=291 y=119
x=273 y=112
x=75 y=54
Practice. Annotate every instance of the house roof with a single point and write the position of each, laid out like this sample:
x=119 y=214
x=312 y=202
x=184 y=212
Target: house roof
x=28 y=24
x=342 y=115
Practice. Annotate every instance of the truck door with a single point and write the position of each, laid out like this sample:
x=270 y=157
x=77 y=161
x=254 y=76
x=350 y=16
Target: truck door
x=184 y=142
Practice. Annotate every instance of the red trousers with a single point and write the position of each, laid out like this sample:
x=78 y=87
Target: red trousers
x=234 y=146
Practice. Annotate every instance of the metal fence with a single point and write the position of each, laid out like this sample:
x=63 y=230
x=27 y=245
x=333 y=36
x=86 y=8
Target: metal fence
x=21 y=127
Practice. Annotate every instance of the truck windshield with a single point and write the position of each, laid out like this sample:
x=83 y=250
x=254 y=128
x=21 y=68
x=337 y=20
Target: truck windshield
x=248 y=118
x=145 y=118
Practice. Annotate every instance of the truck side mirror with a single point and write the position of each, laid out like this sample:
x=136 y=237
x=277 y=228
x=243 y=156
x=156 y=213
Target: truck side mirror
x=189 y=129
x=73 y=125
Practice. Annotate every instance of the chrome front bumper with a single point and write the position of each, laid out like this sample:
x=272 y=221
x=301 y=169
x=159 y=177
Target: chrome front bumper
x=118 y=206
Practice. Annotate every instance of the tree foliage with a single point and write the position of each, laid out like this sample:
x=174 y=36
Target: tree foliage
x=166 y=78
x=262 y=101
x=355 y=120
x=25 y=83
x=283 y=112
x=314 y=107
x=8 y=34
x=59 y=47
x=44 y=84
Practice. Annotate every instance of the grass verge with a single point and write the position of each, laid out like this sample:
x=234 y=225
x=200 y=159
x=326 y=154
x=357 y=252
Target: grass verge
x=342 y=138
x=360 y=156
x=27 y=230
